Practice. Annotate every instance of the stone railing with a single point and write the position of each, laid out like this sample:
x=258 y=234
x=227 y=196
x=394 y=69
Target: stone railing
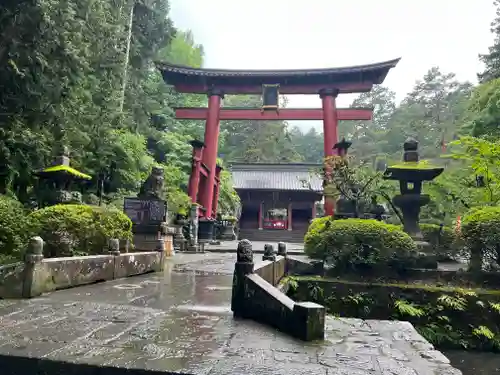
x=255 y=295
x=37 y=275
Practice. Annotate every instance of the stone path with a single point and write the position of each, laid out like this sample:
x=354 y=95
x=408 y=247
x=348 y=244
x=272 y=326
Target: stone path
x=180 y=321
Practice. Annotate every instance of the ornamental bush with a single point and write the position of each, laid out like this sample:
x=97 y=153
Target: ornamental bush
x=79 y=229
x=314 y=234
x=14 y=229
x=357 y=243
x=481 y=235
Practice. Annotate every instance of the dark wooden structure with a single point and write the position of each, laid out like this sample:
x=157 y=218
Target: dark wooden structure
x=327 y=83
x=278 y=200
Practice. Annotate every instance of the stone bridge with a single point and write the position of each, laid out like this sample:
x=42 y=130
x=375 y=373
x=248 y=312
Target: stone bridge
x=180 y=321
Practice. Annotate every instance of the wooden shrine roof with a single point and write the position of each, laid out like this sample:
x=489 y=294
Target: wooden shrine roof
x=290 y=177
x=198 y=80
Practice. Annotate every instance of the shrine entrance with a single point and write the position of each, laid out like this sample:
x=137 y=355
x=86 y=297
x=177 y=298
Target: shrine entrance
x=278 y=200
x=276 y=219
x=327 y=83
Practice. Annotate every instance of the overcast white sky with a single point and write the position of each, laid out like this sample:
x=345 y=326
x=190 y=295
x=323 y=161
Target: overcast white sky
x=288 y=34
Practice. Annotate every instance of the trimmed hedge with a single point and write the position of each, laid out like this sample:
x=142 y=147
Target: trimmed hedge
x=353 y=243
x=481 y=235
x=14 y=229
x=69 y=229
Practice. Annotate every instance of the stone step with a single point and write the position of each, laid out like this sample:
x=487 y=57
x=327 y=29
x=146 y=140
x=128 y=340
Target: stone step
x=272 y=236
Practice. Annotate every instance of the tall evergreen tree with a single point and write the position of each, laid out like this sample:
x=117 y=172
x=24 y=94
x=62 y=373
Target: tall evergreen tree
x=491 y=60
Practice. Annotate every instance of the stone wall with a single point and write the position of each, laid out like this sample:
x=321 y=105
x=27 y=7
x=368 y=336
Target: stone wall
x=11 y=280
x=255 y=296
x=449 y=318
x=271 y=271
x=37 y=275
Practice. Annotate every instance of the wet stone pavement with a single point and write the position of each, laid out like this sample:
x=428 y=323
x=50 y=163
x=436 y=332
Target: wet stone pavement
x=180 y=321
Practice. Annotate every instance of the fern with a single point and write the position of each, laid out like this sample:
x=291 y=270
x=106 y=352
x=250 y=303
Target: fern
x=405 y=308
x=483 y=331
x=315 y=291
x=444 y=318
x=454 y=303
x=495 y=307
x=434 y=334
x=356 y=299
x=466 y=292
x=292 y=283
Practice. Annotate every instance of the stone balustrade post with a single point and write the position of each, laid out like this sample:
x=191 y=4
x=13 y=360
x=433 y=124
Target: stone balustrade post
x=282 y=251
x=269 y=253
x=244 y=265
x=33 y=275
x=114 y=246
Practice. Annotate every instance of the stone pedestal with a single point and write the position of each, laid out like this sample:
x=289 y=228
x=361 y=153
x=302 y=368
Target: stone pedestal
x=33 y=278
x=310 y=319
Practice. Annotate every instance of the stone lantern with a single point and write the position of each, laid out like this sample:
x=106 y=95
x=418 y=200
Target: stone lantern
x=410 y=174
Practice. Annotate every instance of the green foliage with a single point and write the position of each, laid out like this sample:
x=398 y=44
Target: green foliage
x=256 y=141
x=442 y=239
x=480 y=158
x=356 y=243
x=14 y=229
x=78 y=229
x=355 y=183
x=64 y=80
x=314 y=236
x=405 y=308
x=491 y=60
x=450 y=318
x=484 y=109
x=480 y=234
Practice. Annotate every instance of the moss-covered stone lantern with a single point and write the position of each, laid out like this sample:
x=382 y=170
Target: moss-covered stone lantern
x=410 y=174
x=57 y=183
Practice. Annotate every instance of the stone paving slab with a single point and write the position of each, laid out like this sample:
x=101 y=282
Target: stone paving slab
x=181 y=321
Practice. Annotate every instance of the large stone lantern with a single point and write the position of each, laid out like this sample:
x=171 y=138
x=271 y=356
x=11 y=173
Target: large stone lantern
x=410 y=174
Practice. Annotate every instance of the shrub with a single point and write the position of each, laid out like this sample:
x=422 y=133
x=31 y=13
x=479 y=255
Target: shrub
x=481 y=235
x=79 y=229
x=354 y=243
x=14 y=229
x=314 y=234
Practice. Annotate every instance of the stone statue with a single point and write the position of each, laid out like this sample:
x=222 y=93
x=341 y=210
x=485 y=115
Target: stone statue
x=244 y=252
x=269 y=252
x=153 y=186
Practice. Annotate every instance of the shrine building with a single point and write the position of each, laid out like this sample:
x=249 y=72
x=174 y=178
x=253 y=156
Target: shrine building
x=278 y=200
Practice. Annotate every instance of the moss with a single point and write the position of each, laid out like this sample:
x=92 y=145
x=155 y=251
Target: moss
x=424 y=164
x=65 y=169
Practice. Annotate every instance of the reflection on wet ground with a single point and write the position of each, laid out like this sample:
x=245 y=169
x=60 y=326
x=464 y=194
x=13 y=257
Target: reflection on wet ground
x=180 y=320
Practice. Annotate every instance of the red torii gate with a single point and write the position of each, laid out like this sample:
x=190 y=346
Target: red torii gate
x=327 y=83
